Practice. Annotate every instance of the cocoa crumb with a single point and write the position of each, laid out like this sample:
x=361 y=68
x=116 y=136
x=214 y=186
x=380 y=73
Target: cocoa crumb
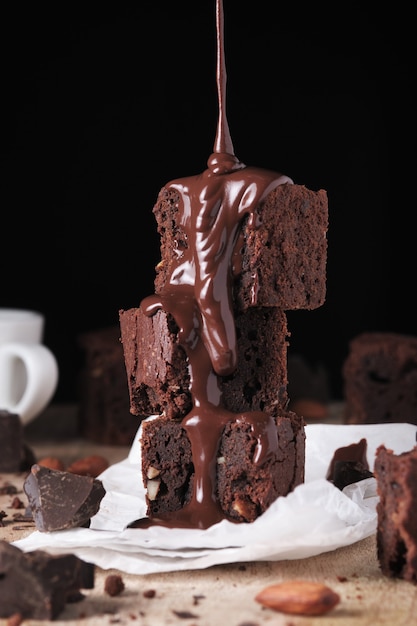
x=149 y=593
x=342 y=579
x=185 y=614
x=197 y=598
x=2 y=516
x=26 y=517
x=7 y=489
x=16 y=503
x=114 y=585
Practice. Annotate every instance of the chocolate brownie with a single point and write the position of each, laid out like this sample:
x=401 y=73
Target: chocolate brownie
x=380 y=379
x=246 y=484
x=396 y=477
x=104 y=414
x=207 y=352
x=281 y=262
x=157 y=364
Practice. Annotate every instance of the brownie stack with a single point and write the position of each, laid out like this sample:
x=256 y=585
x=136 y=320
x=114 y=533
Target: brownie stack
x=278 y=265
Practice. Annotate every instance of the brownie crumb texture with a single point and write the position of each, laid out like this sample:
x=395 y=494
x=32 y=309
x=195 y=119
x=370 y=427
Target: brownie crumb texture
x=380 y=379
x=396 y=476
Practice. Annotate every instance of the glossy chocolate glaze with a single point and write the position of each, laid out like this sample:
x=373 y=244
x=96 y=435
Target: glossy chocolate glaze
x=199 y=297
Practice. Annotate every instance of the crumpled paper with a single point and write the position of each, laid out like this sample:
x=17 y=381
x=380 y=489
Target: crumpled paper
x=316 y=517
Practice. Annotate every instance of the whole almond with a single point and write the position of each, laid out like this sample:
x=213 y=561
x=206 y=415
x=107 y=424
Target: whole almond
x=52 y=462
x=298 y=597
x=89 y=465
x=309 y=408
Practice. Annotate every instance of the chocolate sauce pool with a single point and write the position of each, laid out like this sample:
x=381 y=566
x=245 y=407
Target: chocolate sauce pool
x=199 y=297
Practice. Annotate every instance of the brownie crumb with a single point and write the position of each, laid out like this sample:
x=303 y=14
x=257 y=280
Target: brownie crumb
x=114 y=585
x=185 y=614
x=197 y=598
x=7 y=489
x=16 y=503
x=149 y=593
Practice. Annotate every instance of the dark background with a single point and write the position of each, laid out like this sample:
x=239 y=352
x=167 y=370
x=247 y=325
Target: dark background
x=102 y=107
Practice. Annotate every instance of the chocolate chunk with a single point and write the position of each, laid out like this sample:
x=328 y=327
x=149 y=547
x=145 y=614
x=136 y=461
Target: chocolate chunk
x=37 y=585
x=349 y=465
x=15 y=455
x=348 y=472
x=60 y=500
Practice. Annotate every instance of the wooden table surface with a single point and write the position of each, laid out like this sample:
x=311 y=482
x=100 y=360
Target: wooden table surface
x=223 y=594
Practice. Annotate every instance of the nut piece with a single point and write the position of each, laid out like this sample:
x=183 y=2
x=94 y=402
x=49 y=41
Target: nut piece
x=152 y=472
x=52 y=462
x=299 y=597
x=152 y=487
x=244 y=508
x=89 y=466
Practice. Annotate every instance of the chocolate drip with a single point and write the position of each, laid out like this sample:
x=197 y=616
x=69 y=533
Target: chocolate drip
x=199 y=297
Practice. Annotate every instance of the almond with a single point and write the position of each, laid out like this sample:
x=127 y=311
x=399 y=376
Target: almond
x=152 y=487
x=52 y=462
x=152 y=472
x=298 y=597
x=89 y=466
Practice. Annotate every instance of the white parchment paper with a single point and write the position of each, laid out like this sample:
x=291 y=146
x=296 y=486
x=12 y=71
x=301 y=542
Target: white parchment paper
x=316 y=517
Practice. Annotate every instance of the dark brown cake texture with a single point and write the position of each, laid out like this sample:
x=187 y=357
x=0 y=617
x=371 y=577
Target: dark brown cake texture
x=207 y=353
x=104 y=404
x=380 y=379
x=36 y=585
x=396 y=476
x=159 y=379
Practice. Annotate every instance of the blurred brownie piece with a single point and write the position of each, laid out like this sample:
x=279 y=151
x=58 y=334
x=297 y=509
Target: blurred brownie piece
x=15 y=454
x=104 y=415
x=380 y=379
x=396 y=476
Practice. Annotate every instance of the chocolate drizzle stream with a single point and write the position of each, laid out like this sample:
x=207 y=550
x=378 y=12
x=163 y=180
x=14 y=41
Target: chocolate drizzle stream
x=199 y=297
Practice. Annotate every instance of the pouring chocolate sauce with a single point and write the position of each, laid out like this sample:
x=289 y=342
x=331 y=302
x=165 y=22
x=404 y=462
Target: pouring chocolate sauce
x=199 y=297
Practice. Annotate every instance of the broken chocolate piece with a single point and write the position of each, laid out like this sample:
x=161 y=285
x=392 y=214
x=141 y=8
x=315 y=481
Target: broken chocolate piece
x=37 y=585
x=60 y=500
x=349 y=465
x=15 y=455
x=349 y=472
